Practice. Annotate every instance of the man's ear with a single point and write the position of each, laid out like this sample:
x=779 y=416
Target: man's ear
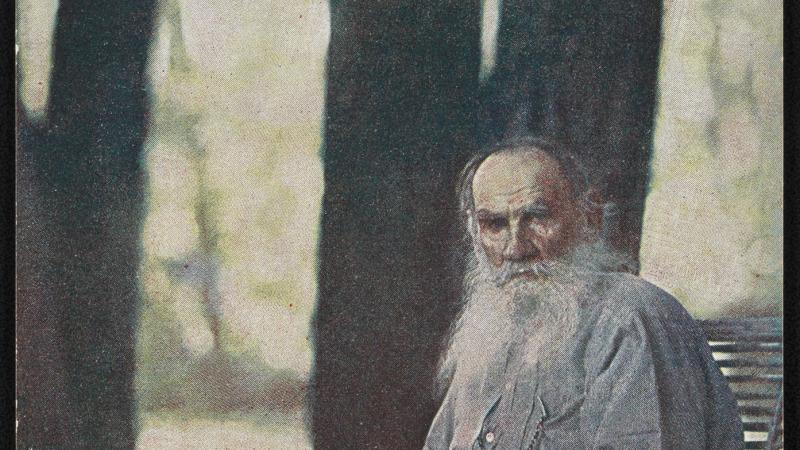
x=471 y=225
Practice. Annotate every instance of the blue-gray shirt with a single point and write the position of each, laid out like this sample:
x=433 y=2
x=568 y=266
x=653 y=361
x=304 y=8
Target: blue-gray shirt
x=638 y=374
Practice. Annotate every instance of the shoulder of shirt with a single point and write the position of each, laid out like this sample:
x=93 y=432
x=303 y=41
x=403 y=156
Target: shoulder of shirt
x=623 y=297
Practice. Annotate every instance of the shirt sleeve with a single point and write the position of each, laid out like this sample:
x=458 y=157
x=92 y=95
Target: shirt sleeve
x=646 y=385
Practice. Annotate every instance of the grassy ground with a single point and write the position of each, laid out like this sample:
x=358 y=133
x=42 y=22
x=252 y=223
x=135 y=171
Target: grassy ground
x=174 y=431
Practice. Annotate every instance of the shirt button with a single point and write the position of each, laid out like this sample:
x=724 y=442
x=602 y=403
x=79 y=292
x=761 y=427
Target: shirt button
x=490 y=437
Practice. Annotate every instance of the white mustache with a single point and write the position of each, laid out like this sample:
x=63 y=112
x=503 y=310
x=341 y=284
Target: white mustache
x=508 y=271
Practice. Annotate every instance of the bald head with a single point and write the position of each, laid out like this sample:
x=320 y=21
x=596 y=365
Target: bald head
x=516 y=174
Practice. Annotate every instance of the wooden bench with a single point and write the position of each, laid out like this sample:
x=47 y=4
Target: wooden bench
x=750 y=353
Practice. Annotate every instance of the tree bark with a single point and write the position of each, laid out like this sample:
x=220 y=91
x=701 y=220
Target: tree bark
x=81 y=181
x=401 y=121
x=402 y=85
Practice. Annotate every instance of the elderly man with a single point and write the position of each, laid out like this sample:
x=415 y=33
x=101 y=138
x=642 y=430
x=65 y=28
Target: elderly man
x=553 y=349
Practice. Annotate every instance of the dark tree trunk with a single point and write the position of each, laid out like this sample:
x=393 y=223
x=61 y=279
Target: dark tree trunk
x=402 y=81
x=80 y=196
x=41 y=393
x=583 y=72
x=7 y=197
x=400 y=125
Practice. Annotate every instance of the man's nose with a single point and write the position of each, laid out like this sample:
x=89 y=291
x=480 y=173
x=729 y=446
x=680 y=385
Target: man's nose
x=519 y=248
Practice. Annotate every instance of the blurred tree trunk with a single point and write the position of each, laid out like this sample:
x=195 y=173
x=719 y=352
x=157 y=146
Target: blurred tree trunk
x=80 y=207
x=402 y=81
x=583 y=72
x=174 y=116
x=208 y=238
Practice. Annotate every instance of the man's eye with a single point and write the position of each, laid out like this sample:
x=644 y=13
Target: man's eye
x=537 y=215
x=494 y=225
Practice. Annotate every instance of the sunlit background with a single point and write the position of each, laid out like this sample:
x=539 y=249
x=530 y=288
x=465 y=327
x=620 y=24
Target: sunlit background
x=235 y=183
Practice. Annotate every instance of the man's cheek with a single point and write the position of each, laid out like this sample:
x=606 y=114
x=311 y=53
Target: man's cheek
x=550 y=239
x=493 y=250
x=546 y=231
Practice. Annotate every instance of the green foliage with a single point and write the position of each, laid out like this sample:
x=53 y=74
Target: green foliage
x=234 y=186
x=712 y=229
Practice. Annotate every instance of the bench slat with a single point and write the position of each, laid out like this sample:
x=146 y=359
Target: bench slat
x=756 y=411
x=741 y=362
x=755 y=379
x=745 y=337
x=748 y=396
x=747 y=347
x=756 y=426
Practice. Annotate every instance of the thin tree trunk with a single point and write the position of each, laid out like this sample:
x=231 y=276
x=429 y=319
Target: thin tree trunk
x=42 y=408
x=402 y=80
x=207 y=236
x=79 y=232
x=175 y=116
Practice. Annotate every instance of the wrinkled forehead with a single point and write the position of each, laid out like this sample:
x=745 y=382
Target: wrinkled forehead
x=517 y=176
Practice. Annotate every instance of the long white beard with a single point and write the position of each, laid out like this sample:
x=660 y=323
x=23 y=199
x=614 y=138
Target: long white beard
x=536 y=314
